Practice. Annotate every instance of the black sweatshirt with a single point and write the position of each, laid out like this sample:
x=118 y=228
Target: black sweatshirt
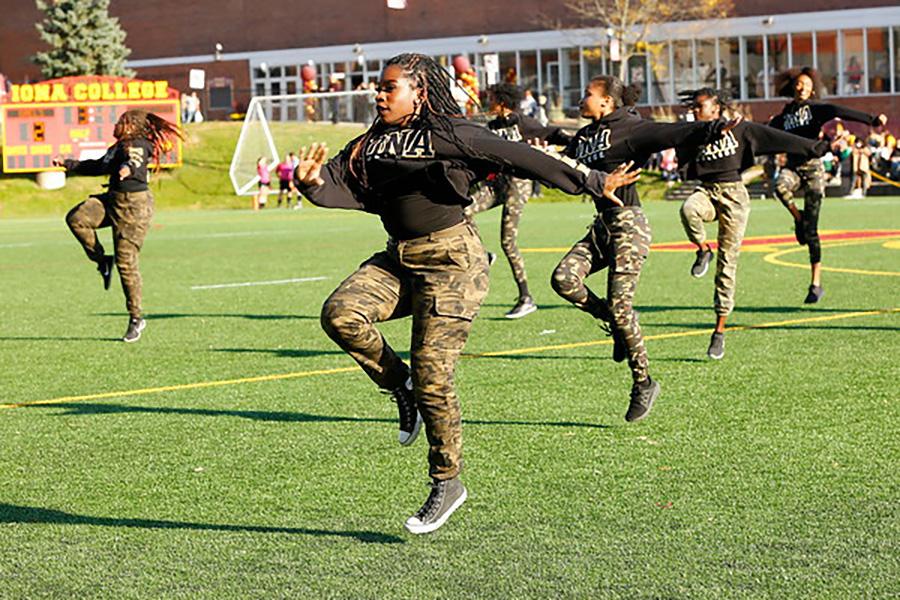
x=723 y=159
x=419 y=177
x=621 y=137
x=134 y=153
x=807 y=117
x=517 y=128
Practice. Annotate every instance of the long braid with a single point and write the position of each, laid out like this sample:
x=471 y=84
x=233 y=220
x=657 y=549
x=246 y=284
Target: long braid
x=436 y=114
x=161 y=133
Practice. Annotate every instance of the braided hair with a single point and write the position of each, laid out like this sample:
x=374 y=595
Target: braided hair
x=136 y=124
x=785 y=81
x=508 y=95
x=437 y=110
x=689 y=98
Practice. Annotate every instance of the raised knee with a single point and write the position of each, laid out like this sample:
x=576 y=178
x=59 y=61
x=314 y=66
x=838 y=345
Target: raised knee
x=562 y=281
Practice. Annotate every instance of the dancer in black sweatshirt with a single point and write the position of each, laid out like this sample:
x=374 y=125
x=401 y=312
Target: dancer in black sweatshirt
x=413 y=168
x=126 y=206
x=512 y=192
x=722 y=196
x=805 y=117
x=620 y=235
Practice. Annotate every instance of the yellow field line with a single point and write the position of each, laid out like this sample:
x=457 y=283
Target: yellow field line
x=774 y=258
x=515 y=351
x=183 y=386
x=681 y=334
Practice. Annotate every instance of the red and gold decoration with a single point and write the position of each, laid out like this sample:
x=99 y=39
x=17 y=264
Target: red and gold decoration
x=466 y=78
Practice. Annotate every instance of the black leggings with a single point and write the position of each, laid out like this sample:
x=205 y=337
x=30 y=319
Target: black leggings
x=812 y=204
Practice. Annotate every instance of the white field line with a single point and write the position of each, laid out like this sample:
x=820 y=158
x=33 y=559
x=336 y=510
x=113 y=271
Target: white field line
x=219 y=286
x=20 y=245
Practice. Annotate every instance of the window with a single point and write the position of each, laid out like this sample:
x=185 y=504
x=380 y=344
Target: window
x=777 y=57
x=730 y=66
x=683 y=64
x=660 y=73
x=826 y=59
x=879 y=60
x=801 y=50
x=220 y=94
x=706 y=64
x=896 y=59
x=754 y=69
x=853 y=73
x=508 y=72
x=637 y=74
x=570 y=72
x=528 y=70
x=550 y=78
x=593 y=62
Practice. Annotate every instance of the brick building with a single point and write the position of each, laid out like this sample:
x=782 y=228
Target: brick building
x=856 y=45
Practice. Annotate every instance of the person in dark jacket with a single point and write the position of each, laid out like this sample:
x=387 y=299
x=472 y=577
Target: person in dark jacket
x=805 y=117
x=619 y=238
x=722 y=196
x=126 y=206
x=512 y=192
x=414 y=168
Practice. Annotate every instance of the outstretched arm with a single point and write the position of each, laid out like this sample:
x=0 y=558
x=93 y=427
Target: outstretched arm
x=768 y=140
x=325 y=184
x=521 y=160
x=836 y=111
x=653 y=137
x=100 y=166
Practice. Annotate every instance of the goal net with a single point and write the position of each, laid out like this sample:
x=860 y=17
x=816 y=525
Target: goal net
x=272 y=128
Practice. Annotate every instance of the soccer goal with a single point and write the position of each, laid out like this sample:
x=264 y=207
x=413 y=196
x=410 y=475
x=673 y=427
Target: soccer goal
x=271 y=128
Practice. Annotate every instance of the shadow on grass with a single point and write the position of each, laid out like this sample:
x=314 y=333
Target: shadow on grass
x=76 y=409
x=253 y=317
x=45 y=338
x=279 y=352
x=10 y=513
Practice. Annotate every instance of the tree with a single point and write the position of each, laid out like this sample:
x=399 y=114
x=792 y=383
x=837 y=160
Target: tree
x=627 y=22
x=83 y=39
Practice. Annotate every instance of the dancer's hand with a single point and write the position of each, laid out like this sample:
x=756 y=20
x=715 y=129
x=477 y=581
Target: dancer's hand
x=882 y=119
x=621 y=176
x=124 y=171
x=311 y=161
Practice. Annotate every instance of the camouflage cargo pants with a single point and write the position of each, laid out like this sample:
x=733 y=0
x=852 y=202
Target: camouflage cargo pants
x=513 y=194
x=440 y=280
x=728 y=203
x=129 y=214
x=809 y=176
x=620 y=240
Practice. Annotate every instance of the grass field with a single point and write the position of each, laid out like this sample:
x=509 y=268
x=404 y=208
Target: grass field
x=236 y=452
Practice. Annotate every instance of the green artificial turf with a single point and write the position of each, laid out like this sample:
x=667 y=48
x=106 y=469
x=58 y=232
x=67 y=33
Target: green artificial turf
x=772 y=473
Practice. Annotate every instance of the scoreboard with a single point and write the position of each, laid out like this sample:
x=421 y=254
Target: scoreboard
x=74 y=117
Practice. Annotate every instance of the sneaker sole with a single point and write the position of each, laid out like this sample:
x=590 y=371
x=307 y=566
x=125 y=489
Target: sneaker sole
x=419 y=529
x=653 y=398
x=701 y=273
x=814 y=299
x=521 y=313
x=140 y=331
x=715 y=357
x=415 y=432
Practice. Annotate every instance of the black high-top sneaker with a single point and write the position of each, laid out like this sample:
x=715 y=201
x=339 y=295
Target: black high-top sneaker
x=410 y=419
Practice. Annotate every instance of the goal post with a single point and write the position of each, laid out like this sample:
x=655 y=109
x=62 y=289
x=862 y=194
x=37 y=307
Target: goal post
x=264 y=135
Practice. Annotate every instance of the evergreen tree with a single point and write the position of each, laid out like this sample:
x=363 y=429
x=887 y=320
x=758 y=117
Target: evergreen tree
x=83 y=39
